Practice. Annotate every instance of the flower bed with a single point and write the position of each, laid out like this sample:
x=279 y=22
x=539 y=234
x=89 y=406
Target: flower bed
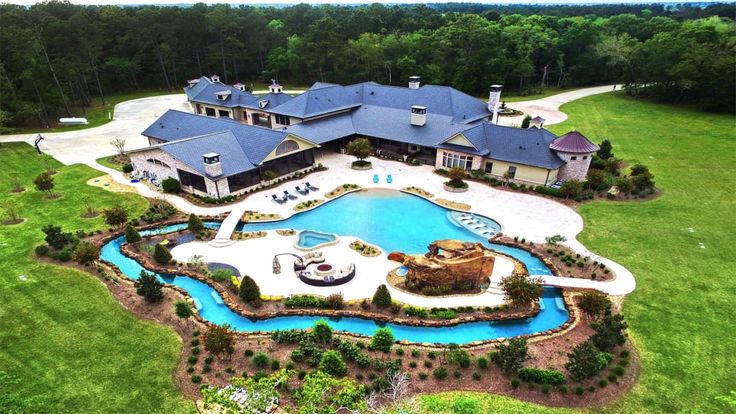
x=306 y=205
x=345 y=188
x=418 y=191
x=247 y=235
x=365 y=249
x=256 y=216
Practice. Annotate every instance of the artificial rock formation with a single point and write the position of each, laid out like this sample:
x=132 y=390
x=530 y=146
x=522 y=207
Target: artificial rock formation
x=450 y=265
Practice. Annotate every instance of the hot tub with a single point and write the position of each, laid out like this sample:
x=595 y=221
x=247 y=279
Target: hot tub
x=310 y=239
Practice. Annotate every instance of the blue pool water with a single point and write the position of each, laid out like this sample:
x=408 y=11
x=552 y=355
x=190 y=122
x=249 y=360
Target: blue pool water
x=392 y=220
x=309 y=238
x=553 y=312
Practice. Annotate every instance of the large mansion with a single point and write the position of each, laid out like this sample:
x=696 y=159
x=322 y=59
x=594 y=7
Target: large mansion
x=235 y=140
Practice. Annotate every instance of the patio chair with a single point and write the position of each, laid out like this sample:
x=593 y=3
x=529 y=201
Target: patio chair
x=310 y=186
x=301 y=191
x=276 y=199
x=375 y=178
x=288 y=196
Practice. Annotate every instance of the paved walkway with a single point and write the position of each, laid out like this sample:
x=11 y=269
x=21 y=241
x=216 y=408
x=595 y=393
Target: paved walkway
x=549 y=107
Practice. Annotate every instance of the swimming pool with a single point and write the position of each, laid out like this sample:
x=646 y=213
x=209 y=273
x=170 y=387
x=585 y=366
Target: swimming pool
x=552 y=314
x=310 y=239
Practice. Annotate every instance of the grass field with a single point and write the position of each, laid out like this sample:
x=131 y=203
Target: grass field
x=62 y=334
x=97 y=114
x=681 y=315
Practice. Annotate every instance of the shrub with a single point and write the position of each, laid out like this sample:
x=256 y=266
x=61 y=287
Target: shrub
x=206 y=368
x=432 y=354
x=612 y=377
x=382 y=297
x=541 y=376
x=619 y=370
x=335 y=301
x=332 y=363
x=195 y=224
x=148 y=286
x=209 y=359
x=44 y=182
x=170 y=185
x=400 y=351
x=440 y=373
x=115 y=216
x=571 y=189
x=605 y=150
x=196 y=350
x=521 y=290
x=322 y=331
x=415 y=311
x=457 y=374
x=525 y=122
x=482 y=362
x=86 y=253
x=579 y=390
x=192 y=359
x=456 y=176
x=515 y=383
x=428 y=364
x=196 y=379
x=42 y=250
x=413 y=364
x=546 y=388
x=55 y=237
x=248 y=353
x=161 y=254
x=604 y=358
x=594 y=303
x=510 y=357
x=597 y=180
x=602 y=383
x=275 y=364
x=131 y=234
x=624 y=353
x=609 y=332
x=477 y=376
x=563 y=389
x=458 y=356
x=583 y=361
x=158 y=211
x=190 y=369
x=221 y=275
x=416 y=353
x=260 y=360
x=423 y=376
x=249 y=290
x=127 y=168
x=382 y=340
x=219 y=339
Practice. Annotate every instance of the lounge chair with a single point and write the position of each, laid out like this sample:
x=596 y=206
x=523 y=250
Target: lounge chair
x=301 y=191
x=310 y=187
x=276 y=199
x=289 y=196
x=375 y=178
x=389 y=179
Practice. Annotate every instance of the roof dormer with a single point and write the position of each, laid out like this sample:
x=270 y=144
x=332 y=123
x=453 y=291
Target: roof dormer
x=222 y=95
x=263 y=103
x=215 y=78
x=239 y=86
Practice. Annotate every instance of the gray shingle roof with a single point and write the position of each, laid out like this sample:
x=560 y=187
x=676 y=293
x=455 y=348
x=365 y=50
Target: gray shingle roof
x=204 y=92
x=233 y=156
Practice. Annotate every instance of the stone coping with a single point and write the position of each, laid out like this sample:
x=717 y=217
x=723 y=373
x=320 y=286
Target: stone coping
x=573 y=314
x=319 y=246
x=455 y=190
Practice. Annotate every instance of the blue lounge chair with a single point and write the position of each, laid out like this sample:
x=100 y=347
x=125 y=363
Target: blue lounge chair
x=276 y=199
x=301 y=191
x=389 y=179
x=289 y=196
x=310 y=187
x=375 y=178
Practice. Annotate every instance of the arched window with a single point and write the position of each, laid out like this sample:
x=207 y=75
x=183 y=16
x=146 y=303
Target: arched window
x=287 y=146
x=157 y=162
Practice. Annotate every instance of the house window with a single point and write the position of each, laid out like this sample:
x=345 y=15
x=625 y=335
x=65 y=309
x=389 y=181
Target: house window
x=224 y=114
x=511 y=172
x=283 y=119
x=585 y=157
x=489 y=167
x=157 y=162
x=450 y=160
x=286 y=147
x=573 y=158
x=210 y=111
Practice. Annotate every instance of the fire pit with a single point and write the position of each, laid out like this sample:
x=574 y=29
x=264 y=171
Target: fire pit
x=325 y=270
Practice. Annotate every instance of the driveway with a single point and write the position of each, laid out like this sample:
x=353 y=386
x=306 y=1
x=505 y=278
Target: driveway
x=130 y=119
x=549 y=107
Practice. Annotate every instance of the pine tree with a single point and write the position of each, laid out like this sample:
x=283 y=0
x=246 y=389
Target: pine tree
x=249 y=290
x=526 y=121
x=131 y=234
x=382 y=297
x=195 y=224
x=149 y=287
x=161 y=254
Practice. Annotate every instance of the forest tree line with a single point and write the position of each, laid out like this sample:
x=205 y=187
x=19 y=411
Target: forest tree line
x=55 y=56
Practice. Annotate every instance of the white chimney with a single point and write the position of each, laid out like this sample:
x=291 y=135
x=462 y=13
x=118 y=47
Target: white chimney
x=537 y=122
x=239 y=86
x=418 y=115
x=215 y=78
x=414 y=82
x=275 y=87
x=212 y=164
x=494 y=100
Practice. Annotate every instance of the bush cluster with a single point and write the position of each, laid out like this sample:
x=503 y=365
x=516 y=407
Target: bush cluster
x=542 y=376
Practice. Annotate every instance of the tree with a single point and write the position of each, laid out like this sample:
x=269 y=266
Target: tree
x=170 y=185
x=161 y=254
x=360 y=148
x=115 y=216
x=45 y=182
x=624 y=185
x=594 y=303
x=521 y=289
x=583 y=361
x=322 y=332
x=597 y=180
x=131 y=234
x=119 y=144
x=382 y=340
x=148 y=286
x=85 y=253
x=605 y=151
x=55 y=237
x=322 y=393
x=382 y=297
x=195 y=224
x=249 y=290
x=609 y=332
x=332 y=363
x=526 y=121
x=219 y=340
x=510 y=357
x=456 y=175
x=571 y=189
x=641 y=178
x=11 y=212
x=183 y=309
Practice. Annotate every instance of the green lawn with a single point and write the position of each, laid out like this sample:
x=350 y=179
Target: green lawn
x=681 y=315
x=62 y=334
x=97 y=114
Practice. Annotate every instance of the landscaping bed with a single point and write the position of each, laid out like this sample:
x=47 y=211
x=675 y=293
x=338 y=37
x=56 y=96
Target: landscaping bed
x=249 y=216
x=345 y=188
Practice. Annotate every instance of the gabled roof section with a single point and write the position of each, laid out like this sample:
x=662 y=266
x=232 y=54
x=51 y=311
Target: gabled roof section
x=274 y=100
x=205 y=92
x=233 y=157
x=573 y=142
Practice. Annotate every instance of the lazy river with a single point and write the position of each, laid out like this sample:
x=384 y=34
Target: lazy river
x=382 y=218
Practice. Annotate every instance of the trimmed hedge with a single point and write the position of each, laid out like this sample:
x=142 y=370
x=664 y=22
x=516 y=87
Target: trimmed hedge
x=542 y=376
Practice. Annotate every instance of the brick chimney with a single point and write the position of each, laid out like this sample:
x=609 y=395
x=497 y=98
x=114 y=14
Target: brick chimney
x=212 y=164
